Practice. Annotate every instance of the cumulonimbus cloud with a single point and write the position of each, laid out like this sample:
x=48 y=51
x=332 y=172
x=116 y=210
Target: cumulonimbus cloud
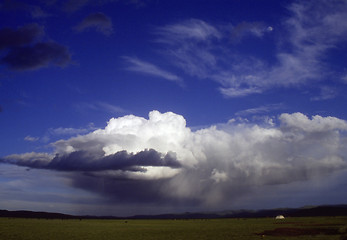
x=161 y=160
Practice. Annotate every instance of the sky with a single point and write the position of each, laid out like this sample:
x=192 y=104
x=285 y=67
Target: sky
x=124 y=107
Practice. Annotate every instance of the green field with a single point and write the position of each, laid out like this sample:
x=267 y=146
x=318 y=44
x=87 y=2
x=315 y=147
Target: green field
x=261 y=228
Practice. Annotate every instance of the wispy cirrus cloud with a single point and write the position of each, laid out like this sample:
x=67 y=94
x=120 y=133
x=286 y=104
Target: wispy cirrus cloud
x=204 y=50
x=244 y=29
x=201 y=50
x=151 y=69
x=326 y=92
x=259 y=110
x=58 y=132
x=99 y=106
x=237 y=92
x=193 y=29
x=61 y=131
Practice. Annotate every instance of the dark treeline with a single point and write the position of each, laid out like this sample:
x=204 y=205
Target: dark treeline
x=315 y=211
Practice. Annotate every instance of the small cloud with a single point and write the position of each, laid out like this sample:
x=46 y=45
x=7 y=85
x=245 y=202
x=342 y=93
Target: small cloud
x=344 y=79
x=259 y=110
x=151 y=69
x=109 y=107
x=53 y=133
x=219 y=176
x=23 y=52
x=239 y=92
x=31 y=139
x=68 y=131
x=74 y=5
x=98 y=21
x=137 y=3
x=37 y=56
x=37 y=12
x=99 y=106
x=22 y=36
x=257 y=29
x=193 y=29
x=325 y=94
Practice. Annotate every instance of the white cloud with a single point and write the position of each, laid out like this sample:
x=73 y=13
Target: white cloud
x=160 y=159
x=148 y=68
x=317 y=124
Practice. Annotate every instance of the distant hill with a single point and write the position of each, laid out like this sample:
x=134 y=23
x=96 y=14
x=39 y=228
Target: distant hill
x=314 y=211
x=31 y=214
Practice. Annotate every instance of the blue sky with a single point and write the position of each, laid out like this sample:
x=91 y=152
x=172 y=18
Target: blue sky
x=167 y=106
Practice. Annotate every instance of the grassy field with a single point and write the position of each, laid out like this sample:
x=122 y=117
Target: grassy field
x=262 y=228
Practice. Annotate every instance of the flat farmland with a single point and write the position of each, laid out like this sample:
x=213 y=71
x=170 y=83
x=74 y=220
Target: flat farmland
x=244 y=228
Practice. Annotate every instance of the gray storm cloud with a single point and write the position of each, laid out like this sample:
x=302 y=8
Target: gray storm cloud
x=161 y=160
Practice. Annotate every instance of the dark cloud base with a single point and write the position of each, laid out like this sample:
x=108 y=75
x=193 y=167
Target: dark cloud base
x=84 y=161
x=130 y=191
